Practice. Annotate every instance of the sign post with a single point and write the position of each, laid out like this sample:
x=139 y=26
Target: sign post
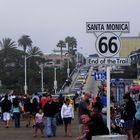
x=108 y=97
x=108 y=46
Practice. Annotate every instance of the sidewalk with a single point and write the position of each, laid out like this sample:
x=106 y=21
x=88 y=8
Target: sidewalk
x=24 y=133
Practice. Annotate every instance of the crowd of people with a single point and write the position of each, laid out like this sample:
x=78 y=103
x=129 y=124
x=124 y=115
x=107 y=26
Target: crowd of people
x=93 y=117
x=44 y=113
x=36 y=111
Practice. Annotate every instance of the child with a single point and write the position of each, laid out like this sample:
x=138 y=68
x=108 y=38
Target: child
x=39 y=122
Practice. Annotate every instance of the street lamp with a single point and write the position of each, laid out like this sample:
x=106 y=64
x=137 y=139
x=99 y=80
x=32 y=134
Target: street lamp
x=68 y=62
x=25 y=70
x=42 y=81
x=68 y=67
x=55 y=81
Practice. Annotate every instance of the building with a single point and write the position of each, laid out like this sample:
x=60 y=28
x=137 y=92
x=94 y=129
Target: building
x=55 y=60
x=135 y=58
x=128 y=45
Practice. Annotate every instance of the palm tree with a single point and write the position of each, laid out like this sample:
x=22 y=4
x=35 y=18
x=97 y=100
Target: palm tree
x=61 y=44
x=72 y=43
x=7 y=43
x=25 y=42
x=7 y=47
x=34 y=51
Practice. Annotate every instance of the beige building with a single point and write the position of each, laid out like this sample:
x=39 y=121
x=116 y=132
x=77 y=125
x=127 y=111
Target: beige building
x=129 y=44
x=55 y=60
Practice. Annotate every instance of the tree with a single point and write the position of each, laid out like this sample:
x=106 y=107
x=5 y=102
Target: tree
x=25 y=42
x=7 y=43
x=34 y=51
x=61 y=44
x=7 y=47
x=72 y=43
x=11 y=69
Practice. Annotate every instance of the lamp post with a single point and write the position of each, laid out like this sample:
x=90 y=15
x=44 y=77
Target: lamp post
x=25 y=71
x=42 y=75
x=68 y=67
x=68 y=62
x=55 y=81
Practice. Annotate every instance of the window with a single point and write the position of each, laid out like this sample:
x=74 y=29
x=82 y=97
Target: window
x=58 y=61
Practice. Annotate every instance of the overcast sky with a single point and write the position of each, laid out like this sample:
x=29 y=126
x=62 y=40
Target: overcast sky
x=48 y=21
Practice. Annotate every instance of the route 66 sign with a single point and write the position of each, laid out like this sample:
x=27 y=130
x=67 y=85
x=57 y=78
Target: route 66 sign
x=107 y=36
x=108 y=44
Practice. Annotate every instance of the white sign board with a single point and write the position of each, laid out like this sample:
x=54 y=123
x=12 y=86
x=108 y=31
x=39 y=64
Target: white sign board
x=108 y=42
x=92 y=27
x=108 y=61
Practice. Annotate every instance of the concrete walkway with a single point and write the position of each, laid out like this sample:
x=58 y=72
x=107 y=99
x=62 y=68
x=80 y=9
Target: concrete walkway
x=24 y=133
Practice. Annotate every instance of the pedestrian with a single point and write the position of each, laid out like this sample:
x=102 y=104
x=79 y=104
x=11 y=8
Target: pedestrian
x=35 y=109
x=83 y=109
x=51 y=108
x=93 y=126
x=43 y=100
x=128 y=115
x=96 y=126
x=35 y=96
x=137 y=116
x=16 y=110
x=67 y=115
x=76 y=102
x=98 y=105
x=39 y=125
x=28 y=111
x=6 y=108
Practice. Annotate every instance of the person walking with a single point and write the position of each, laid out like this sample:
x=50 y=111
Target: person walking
x=6 y=108
x=16 y=109
x=67 y=115
x=35 y=108
x=28 y=110
x=83 y=110
x=39 y=123
x=51 y=108
x=128 y=115
x=137 y=116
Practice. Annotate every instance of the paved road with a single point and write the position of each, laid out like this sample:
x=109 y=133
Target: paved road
x=91 y=84
x=24 y=133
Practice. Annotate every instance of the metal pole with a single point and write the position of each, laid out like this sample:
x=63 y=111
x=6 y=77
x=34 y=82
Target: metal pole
x=77 y=58
x=55 y=82
x=25 y=70
x=42 y=86
x=54 y=74
x=68 y=69
x=108 y=97
x=25 y=85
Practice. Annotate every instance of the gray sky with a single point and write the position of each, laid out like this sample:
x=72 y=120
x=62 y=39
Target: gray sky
x=48 y=21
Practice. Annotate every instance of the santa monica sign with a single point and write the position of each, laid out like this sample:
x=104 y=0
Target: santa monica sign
x=107 y=26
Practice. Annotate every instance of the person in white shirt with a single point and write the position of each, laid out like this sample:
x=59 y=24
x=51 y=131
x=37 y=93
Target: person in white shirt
x=67 y=115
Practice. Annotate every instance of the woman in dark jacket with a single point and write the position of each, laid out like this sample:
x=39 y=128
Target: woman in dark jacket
x=129 y=115
x=28 y=110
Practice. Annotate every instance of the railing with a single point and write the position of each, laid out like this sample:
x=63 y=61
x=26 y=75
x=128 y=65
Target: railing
x=63 y=86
